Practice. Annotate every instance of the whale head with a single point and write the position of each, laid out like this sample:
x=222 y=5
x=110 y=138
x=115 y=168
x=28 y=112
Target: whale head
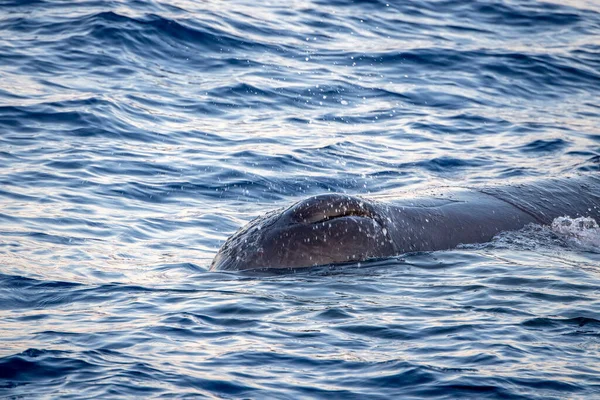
x=320 y=230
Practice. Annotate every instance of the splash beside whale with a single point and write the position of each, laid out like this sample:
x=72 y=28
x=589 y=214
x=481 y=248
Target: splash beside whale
x=338 y=228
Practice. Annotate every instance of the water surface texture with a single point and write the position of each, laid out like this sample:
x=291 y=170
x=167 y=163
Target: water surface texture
x=135 y=137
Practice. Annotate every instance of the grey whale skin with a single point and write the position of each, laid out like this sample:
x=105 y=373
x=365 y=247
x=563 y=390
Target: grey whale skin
x=338 y=228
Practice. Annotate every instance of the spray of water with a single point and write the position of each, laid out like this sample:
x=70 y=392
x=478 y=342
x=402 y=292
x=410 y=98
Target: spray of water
x=582 y=232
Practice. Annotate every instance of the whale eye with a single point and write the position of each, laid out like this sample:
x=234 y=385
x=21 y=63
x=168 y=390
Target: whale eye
x=329 y=206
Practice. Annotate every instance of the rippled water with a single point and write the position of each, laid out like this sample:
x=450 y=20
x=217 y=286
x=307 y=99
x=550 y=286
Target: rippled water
x=135 y=137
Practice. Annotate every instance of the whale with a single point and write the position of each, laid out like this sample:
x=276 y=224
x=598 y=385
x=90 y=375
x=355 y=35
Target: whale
x=338 y=228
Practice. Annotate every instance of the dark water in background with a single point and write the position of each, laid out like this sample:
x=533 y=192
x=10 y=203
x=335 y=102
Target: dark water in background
x=136 y=136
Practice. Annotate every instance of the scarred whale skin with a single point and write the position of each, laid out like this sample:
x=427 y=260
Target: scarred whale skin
x=339 y=228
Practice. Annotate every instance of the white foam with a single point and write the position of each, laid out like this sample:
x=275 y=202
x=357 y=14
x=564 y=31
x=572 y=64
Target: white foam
x=582 y=232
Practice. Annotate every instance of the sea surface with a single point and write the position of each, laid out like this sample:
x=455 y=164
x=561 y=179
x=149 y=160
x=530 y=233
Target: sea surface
x=136 y=136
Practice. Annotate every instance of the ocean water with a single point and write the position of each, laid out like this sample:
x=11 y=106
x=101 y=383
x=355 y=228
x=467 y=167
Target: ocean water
x=135 y=137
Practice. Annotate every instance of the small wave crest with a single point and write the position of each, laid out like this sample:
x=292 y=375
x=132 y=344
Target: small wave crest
x=564 y=233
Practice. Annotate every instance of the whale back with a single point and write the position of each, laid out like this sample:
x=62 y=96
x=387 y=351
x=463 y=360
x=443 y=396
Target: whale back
x=548 y=199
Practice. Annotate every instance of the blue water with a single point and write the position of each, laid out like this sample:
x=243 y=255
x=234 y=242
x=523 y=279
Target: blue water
x=135 y=137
